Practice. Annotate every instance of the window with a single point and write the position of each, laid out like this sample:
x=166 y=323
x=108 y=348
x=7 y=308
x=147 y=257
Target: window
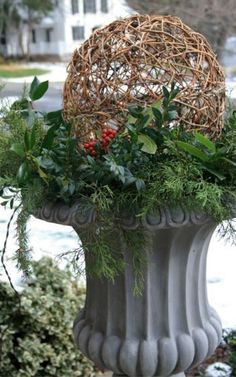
x=48 y=35
x=33 y=36
x=3 y=39
x=78 y=32
x=74 y=6
x=104 y=6
x=89 y=6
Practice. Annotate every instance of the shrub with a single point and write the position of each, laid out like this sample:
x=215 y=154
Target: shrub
x=230 y=339
x=36 y=338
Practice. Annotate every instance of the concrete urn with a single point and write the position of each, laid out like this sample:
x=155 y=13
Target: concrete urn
x=170 y=327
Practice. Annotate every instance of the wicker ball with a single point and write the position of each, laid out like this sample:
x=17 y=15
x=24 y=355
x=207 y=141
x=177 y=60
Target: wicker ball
x=129 y=61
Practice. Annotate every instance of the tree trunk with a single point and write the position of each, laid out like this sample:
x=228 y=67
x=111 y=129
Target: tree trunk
x=29 y=36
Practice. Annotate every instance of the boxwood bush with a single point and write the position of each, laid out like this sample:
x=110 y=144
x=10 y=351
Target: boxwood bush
x=36 y=338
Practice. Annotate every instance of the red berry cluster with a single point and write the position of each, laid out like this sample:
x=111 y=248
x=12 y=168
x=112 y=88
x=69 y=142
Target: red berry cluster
x=107 y=135
x=90 y=147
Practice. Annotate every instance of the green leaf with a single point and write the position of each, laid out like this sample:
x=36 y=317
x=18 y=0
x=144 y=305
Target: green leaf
x=140 y=184
x=165 y=92
x=42 y=174
x=156 y=105
x=215 y=173
x=144 y=120
x=27 y=140
x=11 y=203
x=149 y=146
x=205 y=142
x=35 y=83
x=4 y=203
x=18 y=149
x=91 y=160
x=172 y=115
x=131 y=119
x=33 y=136
x=194 y=151
x=23 y=173
x=54 y=117
x=158 y=115
x=135 y=111
x=49 y=137
x=228 y=161
x=38 y=90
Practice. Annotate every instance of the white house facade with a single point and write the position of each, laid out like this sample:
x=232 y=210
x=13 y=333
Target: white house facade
x=71 y=22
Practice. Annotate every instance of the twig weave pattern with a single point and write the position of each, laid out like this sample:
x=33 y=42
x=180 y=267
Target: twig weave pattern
x=129 y=61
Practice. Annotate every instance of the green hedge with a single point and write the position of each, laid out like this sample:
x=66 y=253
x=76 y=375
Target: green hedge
x=36 y=340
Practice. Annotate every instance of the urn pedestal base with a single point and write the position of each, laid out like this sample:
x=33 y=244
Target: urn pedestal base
x=171 y=327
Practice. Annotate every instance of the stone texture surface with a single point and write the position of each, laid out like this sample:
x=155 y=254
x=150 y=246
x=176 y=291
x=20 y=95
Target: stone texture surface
x=168 y=329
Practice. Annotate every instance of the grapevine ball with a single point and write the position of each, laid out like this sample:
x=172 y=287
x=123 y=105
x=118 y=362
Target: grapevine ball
x=129 y=61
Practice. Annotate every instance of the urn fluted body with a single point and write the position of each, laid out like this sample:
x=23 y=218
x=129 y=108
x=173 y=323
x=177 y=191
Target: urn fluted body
x=170 y=327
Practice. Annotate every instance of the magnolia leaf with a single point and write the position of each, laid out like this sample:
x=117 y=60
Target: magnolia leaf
x=18 y=149
x=191 y=149
x=23 y=173
x=149 y=146
x=38 y=90
x=35 y=83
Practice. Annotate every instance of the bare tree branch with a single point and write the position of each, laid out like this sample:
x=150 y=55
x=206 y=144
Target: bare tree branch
x=215 y=19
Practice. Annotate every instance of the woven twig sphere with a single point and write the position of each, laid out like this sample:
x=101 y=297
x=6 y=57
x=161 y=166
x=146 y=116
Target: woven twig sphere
x=129 y=61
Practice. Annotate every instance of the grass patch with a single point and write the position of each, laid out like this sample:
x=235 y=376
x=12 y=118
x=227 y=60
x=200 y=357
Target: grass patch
x=14 y=71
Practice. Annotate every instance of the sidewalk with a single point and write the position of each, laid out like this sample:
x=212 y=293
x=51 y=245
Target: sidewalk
x=57 y=73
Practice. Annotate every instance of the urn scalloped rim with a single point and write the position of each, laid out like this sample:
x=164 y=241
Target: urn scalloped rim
x=80 y=215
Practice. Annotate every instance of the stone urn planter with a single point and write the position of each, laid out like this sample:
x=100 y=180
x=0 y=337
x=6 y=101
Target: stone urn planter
x=171 y=326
